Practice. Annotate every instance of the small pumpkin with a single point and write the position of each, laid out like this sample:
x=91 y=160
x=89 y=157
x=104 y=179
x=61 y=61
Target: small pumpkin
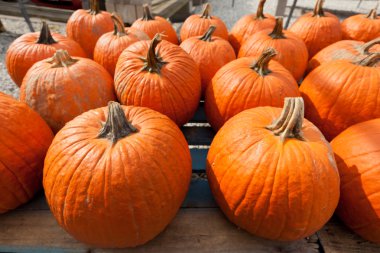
x=24 y=141
x=33 y=47
x=110 y=45
x=159 y=75
x=86 y=26
x=210 y=53
x=344 y=50
x=246 y=83
x=107 y=176
x=341 y=93
x=291 y=50
x=153 y=25
x=273 y=173
x=357 y=153
x=197 y=25
x=317 y=29
x=361 y=27
x=250 y=24
x=61 y=88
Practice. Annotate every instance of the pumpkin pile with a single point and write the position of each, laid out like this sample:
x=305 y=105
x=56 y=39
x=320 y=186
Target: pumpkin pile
x=118 y=168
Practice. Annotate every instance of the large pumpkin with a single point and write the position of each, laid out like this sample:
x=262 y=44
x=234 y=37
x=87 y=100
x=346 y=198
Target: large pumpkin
x=317 y=29
x=24 y=140
x=33 y=47
x=110 y=45
x=197 y=25
x=116 y=179
x=344 y=50
x=210 y=53
x=357 y=153
x=362 y=27
x=159 y=75
x=153 y=25
x=246 y=83
x=341 y=93
x=291 y=50
x=274 y=174
x=60 y=88
x=86 y=26
x=250 y=24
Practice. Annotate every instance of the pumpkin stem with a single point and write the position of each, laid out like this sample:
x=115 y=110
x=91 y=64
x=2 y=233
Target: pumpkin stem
x=289 y=124
x=61 y=58
x=318 y=9
x=116 y=126
x=119 y=28
x=208 y=34
x=146 y=13
x=153 y=62
x=369 y=60
x=277 y=32
x=206 y=11
x=94 y=7
x=367 y=46
x=261 y=64
x=260 y=10
x=372 y=14
x=45 y=35
x=2 y=28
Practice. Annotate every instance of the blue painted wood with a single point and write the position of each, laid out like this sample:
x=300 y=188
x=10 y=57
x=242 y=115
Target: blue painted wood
x=200 y=115
x=199 y=195
x=198 y=156
x=198 y=135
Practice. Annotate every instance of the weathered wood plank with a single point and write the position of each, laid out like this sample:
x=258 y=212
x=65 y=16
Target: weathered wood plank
x=200 y=114
x=198 y=156
x=168 y=8
x=198 y=135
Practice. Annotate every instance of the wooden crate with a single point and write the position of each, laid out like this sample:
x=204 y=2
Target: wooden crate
x=129 y=10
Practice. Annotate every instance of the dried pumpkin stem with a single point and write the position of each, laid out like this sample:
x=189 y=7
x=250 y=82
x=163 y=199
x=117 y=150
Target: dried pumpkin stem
x=2 y=28
x=261 y=65
x=260 y=10
x=277 y=32
x=367 y=46
x=206 y=11
x=372 y=14
x=116 y=126
x=45 y=35
x=289 y=124
x=147 y=15
x=153 y=62
x=119 y=28
x=369 y=60
x=94 y=7
x=61 y=58
x=208 y=34
x=318 y=9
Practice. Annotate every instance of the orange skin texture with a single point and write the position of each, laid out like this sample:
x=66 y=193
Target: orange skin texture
x=291 y=51
x=357 y=152
x=195 y=25
x=317 y=32
x=361 y=28
x=158 y=25
x=210 y=56
x=109 y=47
x=174 y=92
x=236 y=87
x=122 y=194
x=247 y=26
x=24 y=52
x=59 y=94
x=341 y=50
x=86 y=28
x=339 y=94
x=276 y=190
x=24 y=141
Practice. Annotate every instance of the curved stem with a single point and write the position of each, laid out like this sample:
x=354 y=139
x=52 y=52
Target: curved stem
x=318 y=9
x=367 y=46
x=289 y=124
x=45 y=35
x=260 y=10
x=277 y=32
x=153 y=62
x=94 y=7
x=208 y=34
x=261 y=65
x=372 y=14
x=61 y=58
x=119 y=28
x=369 y=61
x=116 y=126
x=146 y=13
x=206 y=11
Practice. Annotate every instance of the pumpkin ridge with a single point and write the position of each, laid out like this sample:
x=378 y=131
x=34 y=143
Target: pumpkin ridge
x=18 y=181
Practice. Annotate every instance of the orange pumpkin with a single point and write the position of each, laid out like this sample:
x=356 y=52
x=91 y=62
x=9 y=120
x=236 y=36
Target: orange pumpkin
x=33 y=47
x=361 y=27
x=341 y=93
x=210 y=53
x=344 y=50
x=357 y=153
x=153 y=25
x=197 y=25
x=86 y=26
x=246 y=83
x=24 y=141
x=250 y=24
x=317 y=29
x=110 y=45
x=60 y=88
x=292 y=51
x=117 y=188
x=161 y=76
x=273 y=173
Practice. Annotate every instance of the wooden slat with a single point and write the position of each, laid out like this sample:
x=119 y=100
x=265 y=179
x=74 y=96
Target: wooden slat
x=198 y=135
x=198 y=156
x=200 y=115
x=199 y=195
x=168 y=8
